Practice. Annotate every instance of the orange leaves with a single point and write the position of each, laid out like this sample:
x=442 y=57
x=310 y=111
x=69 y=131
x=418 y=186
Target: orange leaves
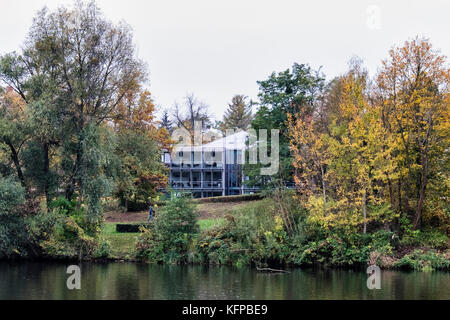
x=136 y=110
x=13 y=104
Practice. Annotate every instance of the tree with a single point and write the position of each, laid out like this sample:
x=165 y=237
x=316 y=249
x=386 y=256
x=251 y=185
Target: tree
x=76 y=125
x=413 y=91
x=12 y=226
x=141 y=174
x=238 y=116
x=13 y=128
x=194 y=111
x=282 y=94
x=342 y=155
x=166 y=122
x=74 y=71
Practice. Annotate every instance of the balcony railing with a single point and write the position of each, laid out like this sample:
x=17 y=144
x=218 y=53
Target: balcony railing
x=197 y=185
x=196 y=166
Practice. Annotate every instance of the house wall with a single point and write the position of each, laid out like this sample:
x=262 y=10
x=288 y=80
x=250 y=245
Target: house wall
x=207 y=173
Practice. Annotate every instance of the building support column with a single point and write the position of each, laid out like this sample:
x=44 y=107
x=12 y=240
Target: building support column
x=224 y=167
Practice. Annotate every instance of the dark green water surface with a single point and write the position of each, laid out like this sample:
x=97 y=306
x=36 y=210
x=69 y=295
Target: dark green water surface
x=124 y=281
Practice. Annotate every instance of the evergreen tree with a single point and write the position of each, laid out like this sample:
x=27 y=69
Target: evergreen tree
x=238 y=115
x=166 y=123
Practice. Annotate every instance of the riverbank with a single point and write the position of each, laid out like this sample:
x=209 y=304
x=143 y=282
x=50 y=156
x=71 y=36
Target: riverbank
x=235 y=235
x=123 y=248
x=252 y=233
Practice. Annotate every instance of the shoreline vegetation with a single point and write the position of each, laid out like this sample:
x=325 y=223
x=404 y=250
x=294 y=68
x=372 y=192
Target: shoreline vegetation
x=250 y=233
x=80 y=136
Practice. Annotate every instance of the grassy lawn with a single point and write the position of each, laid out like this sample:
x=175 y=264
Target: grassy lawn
x=122 y=244
x=207 y=224
x=218 y=210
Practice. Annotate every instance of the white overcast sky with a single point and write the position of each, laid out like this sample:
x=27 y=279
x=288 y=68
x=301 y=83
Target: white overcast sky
x=216 y=49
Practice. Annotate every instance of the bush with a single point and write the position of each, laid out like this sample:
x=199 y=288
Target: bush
x=253 y=235
x=168 y=239
x=13 y=236
x=12 y=194
x=424 y=261
x=111 y=204
x=433 y=238
x=65 y=232
x=68 y=240
x=130 y=228
x=332 y=251
x=245 y=197
x=103 y=250
x=12 y=225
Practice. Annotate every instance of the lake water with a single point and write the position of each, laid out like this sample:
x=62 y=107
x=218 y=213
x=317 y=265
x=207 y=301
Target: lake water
x=124 y=281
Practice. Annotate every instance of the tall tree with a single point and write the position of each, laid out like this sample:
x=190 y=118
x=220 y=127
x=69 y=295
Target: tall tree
x=166 y=122
x=342 y=155
x=191 y=112
x=14 y=130
x=282 y=94
x=75 y=69
x=141 y=174
x=238 y=116
x=413 y=90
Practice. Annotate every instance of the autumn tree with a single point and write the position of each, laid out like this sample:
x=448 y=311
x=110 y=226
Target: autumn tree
x=413 y=91
x=339 y=155
x=141 y=174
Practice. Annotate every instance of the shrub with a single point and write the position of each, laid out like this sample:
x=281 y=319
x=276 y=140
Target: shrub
x=103 y=250
x=130 y=228
x=111 y=204
x=68 y=240
x=433 y=238
x=12 y=225
x=12 y=194
x=424 y=261
x=169 y=238
x=13 y=236
x=253 y=234
x=65 y=232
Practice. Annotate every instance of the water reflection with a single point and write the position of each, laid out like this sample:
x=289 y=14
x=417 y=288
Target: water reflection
x=32 y=280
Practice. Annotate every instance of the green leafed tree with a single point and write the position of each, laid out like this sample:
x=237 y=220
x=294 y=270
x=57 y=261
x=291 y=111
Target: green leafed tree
x=282 y=94
x=75 y=68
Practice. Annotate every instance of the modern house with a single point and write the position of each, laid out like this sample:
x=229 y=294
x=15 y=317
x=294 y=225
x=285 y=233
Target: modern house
x=210 y=170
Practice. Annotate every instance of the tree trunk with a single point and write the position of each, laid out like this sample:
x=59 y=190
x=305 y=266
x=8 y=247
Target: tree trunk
x=391 y=192
x=70 y=190
x=46 y=174
x=423 y=186
x=324 y=189
x=365 y=212
x=15 y=159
